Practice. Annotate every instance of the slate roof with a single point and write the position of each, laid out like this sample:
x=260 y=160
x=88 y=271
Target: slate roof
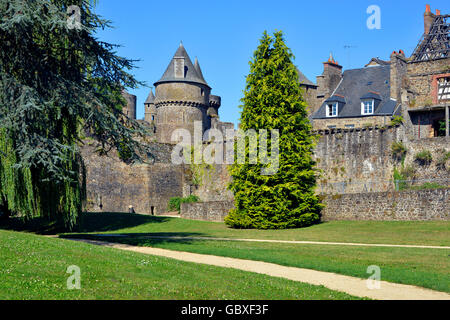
x=370 y=82
x=192 y=74
x=150 y=98
x=304 y=80
x=378 y=61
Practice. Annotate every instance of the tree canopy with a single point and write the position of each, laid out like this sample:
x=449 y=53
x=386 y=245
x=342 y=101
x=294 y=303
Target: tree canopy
x=273 y=100
x=57 y=83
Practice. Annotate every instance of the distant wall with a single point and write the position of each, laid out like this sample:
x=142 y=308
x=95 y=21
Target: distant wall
x=207 y=211
x=356 y=160
x=113 y=185
x=361 y=160
x=407 y=205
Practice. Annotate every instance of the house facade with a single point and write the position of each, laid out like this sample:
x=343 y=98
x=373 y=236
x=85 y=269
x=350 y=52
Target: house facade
x=416 y=88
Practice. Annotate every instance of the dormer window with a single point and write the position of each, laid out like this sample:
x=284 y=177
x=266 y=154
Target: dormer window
x=367 y=106
x=332 y=109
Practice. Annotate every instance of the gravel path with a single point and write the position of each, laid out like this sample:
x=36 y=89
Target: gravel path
x=347 y=284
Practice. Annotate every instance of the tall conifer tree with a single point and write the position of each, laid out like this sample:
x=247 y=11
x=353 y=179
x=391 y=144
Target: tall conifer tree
x=273 y=100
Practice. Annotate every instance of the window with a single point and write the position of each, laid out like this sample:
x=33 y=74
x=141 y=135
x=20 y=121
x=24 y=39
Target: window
x=443 y=89
x=331 y=127
x=153 y=118
x=332 y=110
x=367 y=107
x=349 y=125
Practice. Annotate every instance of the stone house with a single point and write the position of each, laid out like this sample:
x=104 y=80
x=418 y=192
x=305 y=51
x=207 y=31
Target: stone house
x=417 y=88
x=425 y=80
x=362 y=98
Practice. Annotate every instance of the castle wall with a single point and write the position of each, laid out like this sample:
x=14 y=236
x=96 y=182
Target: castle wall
x=361 y=160
x=112 y=185
x=341 y=123
x=422 y=205
x=215 y=211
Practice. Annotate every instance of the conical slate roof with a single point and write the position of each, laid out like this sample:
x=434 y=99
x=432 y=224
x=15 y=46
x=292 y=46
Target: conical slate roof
x=199 y=70
x=191 y=72
x=150 y=98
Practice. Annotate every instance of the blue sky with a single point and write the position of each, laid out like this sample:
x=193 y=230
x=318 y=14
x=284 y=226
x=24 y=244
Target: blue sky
x=224 y=35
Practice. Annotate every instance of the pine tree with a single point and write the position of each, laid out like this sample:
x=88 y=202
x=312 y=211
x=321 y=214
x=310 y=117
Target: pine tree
x=273 y=100
x=57 y=83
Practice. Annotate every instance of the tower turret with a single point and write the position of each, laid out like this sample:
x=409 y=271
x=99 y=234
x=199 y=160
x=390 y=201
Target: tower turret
x=150 y=109
x=182 y=97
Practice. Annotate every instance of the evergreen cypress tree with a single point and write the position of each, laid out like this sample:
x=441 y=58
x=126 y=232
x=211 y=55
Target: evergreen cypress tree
x=273 y=100
x=57 y=82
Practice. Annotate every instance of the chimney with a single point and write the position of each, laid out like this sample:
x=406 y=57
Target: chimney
x=330 y=78
x=428 y=18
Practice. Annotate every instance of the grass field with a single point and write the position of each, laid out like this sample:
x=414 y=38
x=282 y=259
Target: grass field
x=436 y=233
x=428 y=268
x=34 y=267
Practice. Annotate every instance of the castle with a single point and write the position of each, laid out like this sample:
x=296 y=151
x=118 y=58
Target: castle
x=352 y=111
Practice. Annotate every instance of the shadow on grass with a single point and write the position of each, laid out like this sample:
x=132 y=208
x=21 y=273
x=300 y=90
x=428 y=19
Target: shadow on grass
x=107 y=221
x=89 y=222
x=139 y=239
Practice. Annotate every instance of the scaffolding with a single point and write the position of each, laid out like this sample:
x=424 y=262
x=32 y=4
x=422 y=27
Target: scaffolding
x=436 y=43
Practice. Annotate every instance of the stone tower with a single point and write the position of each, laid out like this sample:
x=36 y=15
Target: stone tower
x=182 y=97
x=130 y=108
x=150 y=109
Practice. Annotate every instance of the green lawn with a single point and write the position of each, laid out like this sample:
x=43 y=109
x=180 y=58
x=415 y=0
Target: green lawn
x=422 y=267
x=436 y=233
x=428 y=268
x=34 y=267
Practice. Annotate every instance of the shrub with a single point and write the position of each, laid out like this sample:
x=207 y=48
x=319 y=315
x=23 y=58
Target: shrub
x=403 y=176
x=398 y=150
x=424 y=157
x=442 y=161
x=396 y=120
x=175 y=203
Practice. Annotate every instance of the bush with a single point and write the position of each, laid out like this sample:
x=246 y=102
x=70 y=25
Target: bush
x=424 y=157
x=175 y=203
x=403 y=176
x=398 y=150
x=396 y=120
x=442 y=162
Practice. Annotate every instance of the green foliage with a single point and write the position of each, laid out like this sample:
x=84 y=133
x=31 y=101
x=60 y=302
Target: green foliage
x=398 y=150
x=396 y=120
x=199 y=172
x=273 y=100
x=57 y=84
x=403 y=177
x=427 y=186
x=175 y=203
x=424 y=157
x=441 y=129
